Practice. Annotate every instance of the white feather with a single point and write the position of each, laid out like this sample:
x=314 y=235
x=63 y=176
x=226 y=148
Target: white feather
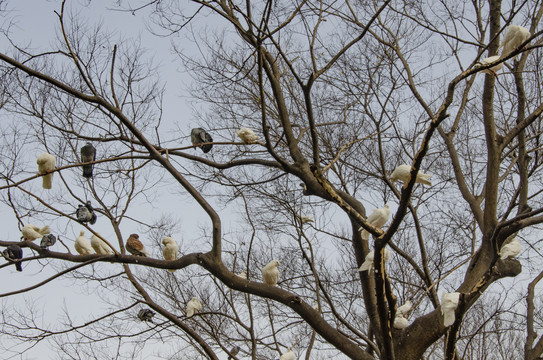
x=377 y=218
x=449 y=303
x=193 y=306
x=270 y=273
x=514 y=36
x=46 y=163
x=170 y=250
x=494 y=69
x=511 y=249
x=367 y=265
x=100 y=246
x=401 y=173
x=246 y=135
x=82 y=245
x=400 y=322
x=404 y=309
x=32 y=232
x=289 y=355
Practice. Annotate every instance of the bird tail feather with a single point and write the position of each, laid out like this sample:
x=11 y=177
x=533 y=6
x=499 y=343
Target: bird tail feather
x=18 y=266
x=87 y=171
x=47 y=181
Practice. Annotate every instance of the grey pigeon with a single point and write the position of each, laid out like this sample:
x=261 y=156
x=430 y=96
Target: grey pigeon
x=47 y=240
x=88 y=153
x=146 y=315
x=14 y=253
x=198 y=136
x=234 y=351
x=85 y=213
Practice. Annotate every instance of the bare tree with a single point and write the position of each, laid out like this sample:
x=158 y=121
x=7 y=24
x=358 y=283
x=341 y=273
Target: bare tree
x=339 y=95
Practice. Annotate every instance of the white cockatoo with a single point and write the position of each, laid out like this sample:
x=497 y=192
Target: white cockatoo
x=449 y=302
x=100 y=246
x=377 y=218
x=82 y=245
x=32 y=232
x=270 y=273
x=246 y=135
x=46 y=163
x=511 y=249
x=515 y=36
x=367 y=265
x=401 y=173
x=193 y=306
x=289 y=355
x=170 y=249
x=489 y=60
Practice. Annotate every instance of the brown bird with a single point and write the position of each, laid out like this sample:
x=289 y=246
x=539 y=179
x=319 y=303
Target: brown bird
x=134 y=246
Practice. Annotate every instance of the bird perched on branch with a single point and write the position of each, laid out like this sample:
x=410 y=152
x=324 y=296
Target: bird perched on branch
x=135 y=247
x=100 y=246
x=402 y=172
x=47 y=241
x=489 y=60
x=511 y=249
x=88 y=154
x=400 y=320
x=515 y=36
x=82 y=245
x=193 y=306
x=246 y=135
x=305 y=219
x=14 y=253
x=146 y=315
x=377 y=218
x=449 y=303
x=199 y=136
x=170 y=249
x=233 y=352
x=32 y=232
x=85 y=213
x=367 y=265
x=46 y=163
x=270 y=273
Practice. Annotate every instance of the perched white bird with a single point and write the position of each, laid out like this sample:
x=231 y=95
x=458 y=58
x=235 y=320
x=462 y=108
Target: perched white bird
x=401 y=173
x=193 y=306
x=367 y=265
x=46 y=163
x=32 y=232
x=82 y=245
x=449 y=302
x=246 y=135
x=514 y=36
x=100 y=246
x=289 y=355
x=511 y=249
x=404 y=309
x=400 y=322
x=489 y=60
x=377 y=218
x=170 y=249
x=270 y=273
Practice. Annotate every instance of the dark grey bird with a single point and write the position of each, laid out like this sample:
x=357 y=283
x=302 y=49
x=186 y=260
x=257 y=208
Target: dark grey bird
x=88 y=153
x=12 y=254
x=146 y=315
x=199 y=136
x=234 y=351
x=48 y=240
x=85 y=213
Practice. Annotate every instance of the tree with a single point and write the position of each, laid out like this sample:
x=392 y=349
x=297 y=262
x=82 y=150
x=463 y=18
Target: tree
x=340 y=94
